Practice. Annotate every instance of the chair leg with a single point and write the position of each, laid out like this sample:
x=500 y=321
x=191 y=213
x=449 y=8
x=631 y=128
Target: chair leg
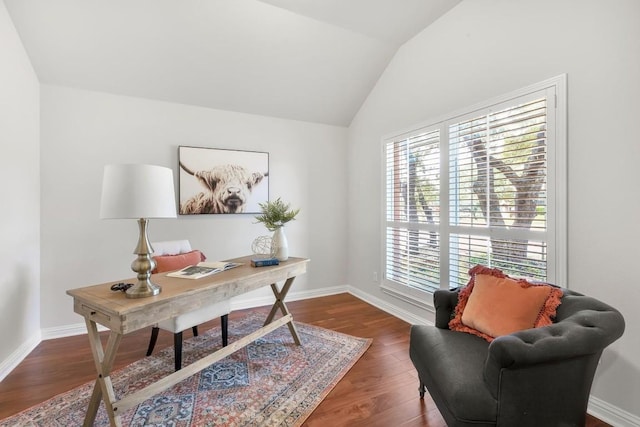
x=177 y=340
x=422 y=389
x=177 y=350
x=224 y=325
x=154 y=338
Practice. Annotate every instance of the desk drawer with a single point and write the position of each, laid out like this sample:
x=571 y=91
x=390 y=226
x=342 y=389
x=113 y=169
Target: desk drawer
x=100 y=317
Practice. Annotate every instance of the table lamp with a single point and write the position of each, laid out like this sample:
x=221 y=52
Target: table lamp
x=139 y=192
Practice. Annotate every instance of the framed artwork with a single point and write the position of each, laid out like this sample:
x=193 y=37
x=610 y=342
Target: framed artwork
x=219 y=181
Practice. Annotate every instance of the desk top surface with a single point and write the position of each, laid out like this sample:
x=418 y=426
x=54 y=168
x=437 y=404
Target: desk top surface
x=180 y=291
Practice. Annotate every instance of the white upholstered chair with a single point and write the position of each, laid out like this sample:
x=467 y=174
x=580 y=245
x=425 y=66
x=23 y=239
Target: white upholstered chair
x=164 y=251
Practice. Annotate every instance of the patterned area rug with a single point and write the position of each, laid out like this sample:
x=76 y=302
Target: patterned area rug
x=270 y=382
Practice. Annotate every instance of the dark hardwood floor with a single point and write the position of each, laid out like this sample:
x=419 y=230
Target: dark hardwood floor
x=380 y=390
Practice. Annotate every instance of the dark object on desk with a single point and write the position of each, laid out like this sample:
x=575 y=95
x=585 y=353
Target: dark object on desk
x=534 y=377
x=121 y=286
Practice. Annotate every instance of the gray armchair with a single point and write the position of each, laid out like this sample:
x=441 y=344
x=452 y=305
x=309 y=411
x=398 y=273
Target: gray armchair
x=536 y=377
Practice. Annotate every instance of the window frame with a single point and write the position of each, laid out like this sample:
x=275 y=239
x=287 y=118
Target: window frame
x=555 y=90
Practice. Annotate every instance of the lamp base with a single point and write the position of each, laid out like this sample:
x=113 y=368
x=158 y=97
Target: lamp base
x=143 y=265
x=143 y=289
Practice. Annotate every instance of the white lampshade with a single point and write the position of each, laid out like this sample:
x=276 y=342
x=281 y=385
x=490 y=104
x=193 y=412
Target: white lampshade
x=137 y=191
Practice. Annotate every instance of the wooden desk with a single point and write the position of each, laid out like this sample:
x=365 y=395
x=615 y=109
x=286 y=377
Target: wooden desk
x=98 y=304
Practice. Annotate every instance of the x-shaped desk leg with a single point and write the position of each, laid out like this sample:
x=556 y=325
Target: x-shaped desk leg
x=103 y=388
x=280 y=296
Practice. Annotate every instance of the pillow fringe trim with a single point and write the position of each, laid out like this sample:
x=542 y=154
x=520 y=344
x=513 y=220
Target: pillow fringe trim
x=545 y=315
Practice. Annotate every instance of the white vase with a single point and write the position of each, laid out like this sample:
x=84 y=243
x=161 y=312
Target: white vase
x=280 y=244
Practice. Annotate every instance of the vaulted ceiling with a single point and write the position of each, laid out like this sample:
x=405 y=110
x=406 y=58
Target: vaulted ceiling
x=310 y=60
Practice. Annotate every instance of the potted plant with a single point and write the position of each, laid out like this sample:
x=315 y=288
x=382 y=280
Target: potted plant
x=275 y=214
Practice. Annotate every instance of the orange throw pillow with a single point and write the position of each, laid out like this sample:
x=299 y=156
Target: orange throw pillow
x=493 y=304
x=176 y=262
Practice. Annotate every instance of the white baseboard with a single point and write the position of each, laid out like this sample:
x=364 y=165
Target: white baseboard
x=239 y=304
x=611 y=414
x=597 y=407
x=67 y=331
x=14 y=359
x=407 y=316
x=243 y=303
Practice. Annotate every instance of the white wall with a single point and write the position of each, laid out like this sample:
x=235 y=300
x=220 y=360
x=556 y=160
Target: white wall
x=82 y=131
x=20 y=213
x=484 y=48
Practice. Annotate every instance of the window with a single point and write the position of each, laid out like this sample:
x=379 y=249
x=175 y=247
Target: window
x=484 y=186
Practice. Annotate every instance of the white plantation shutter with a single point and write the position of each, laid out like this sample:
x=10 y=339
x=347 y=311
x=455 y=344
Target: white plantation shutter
x=497 y=186
x=474 y=189
x=413 y=191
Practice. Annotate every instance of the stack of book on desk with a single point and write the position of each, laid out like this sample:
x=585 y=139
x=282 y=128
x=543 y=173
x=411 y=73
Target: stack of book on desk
x=263 y=262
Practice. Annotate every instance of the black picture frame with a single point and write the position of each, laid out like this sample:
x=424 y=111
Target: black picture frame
x=221 y=181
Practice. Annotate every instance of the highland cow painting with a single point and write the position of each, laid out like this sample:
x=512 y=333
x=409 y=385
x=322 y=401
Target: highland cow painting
x=218 y=181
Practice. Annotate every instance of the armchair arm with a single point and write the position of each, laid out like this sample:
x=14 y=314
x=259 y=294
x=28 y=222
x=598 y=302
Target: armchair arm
x=585 y=332
x=445 y=302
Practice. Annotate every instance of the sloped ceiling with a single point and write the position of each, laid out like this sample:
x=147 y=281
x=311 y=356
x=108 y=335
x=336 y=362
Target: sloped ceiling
x=310 y=60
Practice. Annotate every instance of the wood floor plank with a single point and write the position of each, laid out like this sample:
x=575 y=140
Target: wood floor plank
x=380 y=390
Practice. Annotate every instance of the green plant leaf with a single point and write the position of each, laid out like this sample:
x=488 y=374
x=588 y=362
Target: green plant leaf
x=276 y=213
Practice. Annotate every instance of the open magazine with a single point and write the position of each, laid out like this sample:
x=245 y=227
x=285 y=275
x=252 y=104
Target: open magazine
x=203 y=269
